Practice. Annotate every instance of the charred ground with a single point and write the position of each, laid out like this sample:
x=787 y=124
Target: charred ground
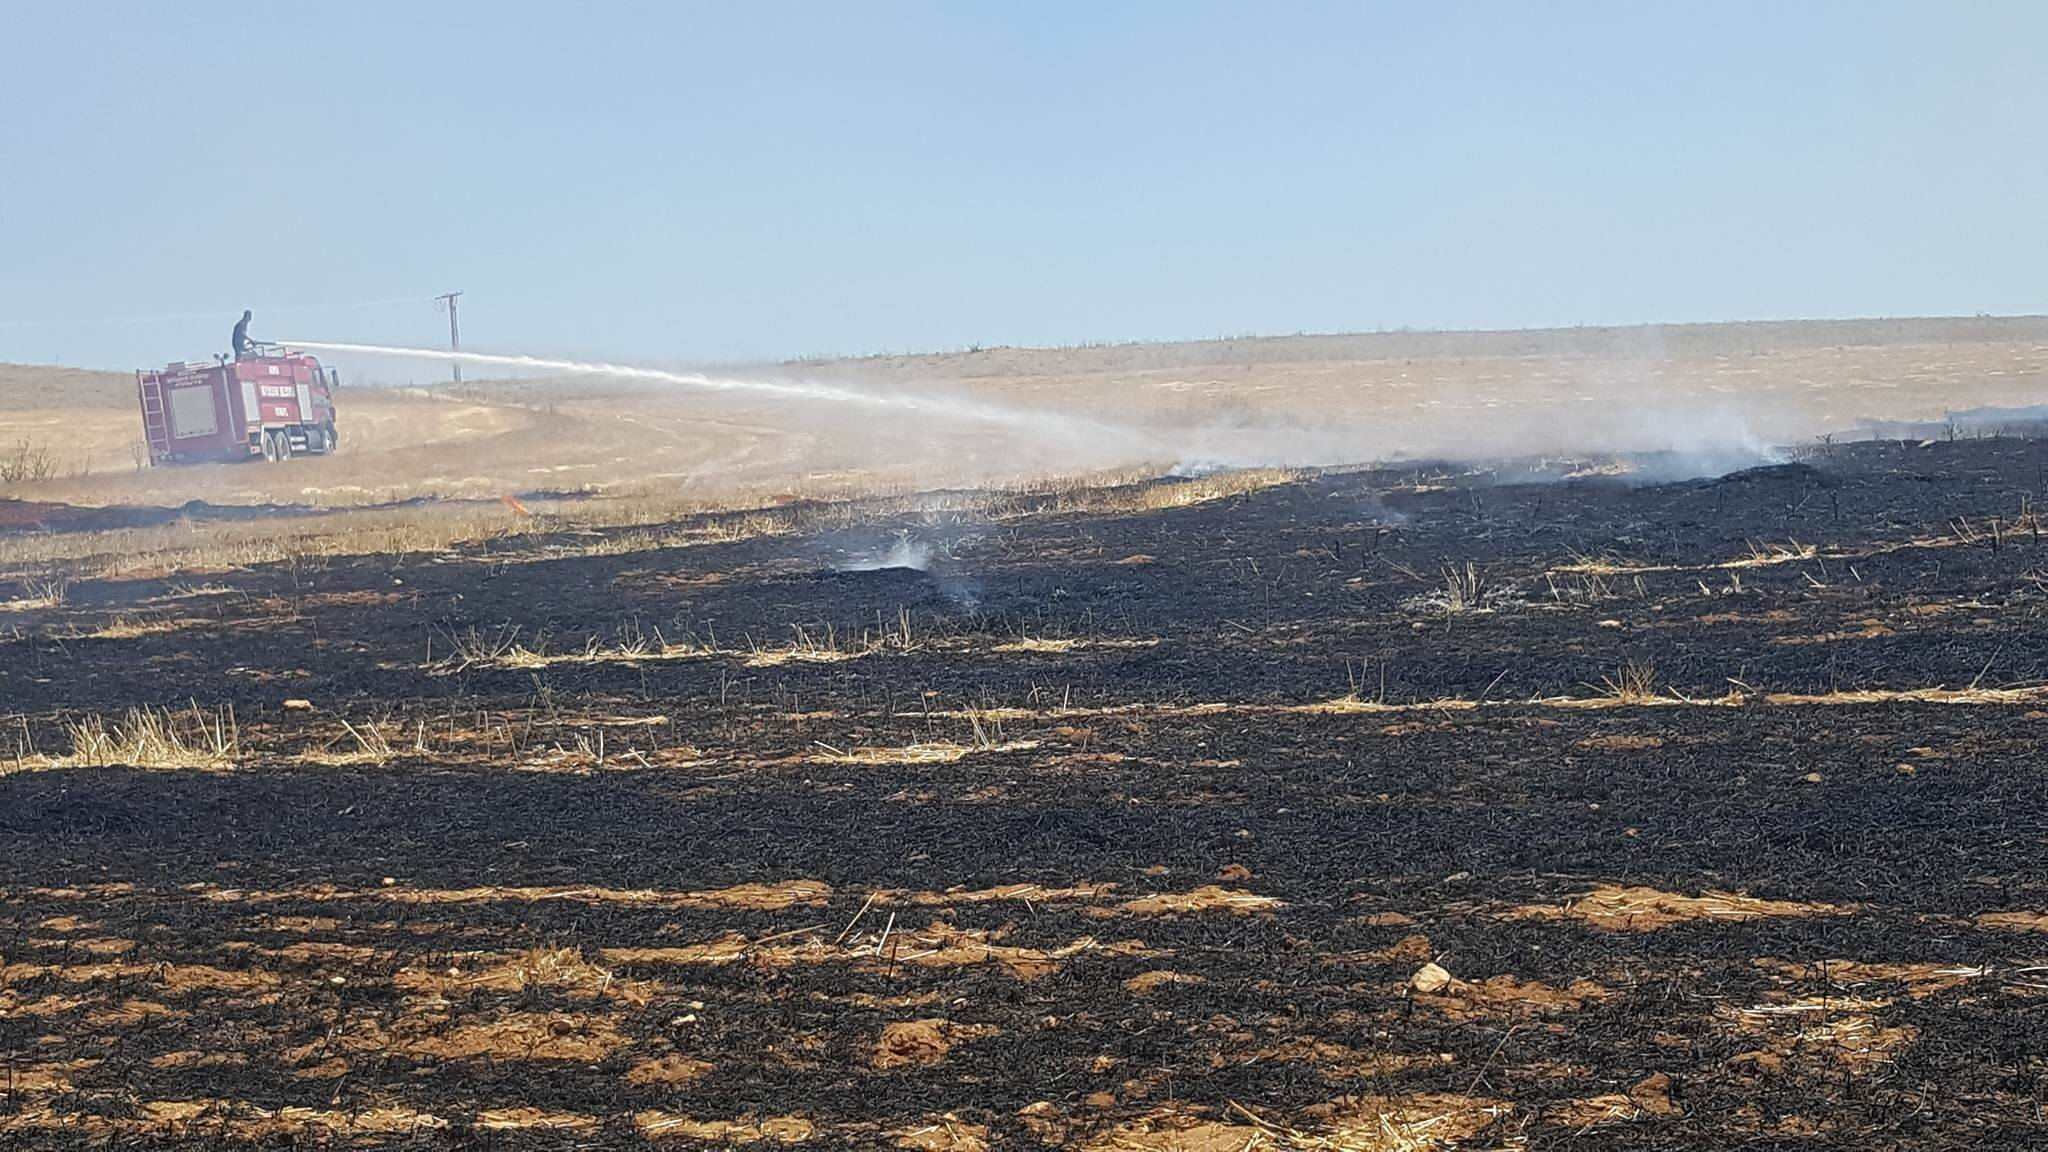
x=1385 y=809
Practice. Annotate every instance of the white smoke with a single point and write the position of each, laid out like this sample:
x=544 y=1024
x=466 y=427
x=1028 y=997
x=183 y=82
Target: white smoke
x=1618 y=414
x=905 y=553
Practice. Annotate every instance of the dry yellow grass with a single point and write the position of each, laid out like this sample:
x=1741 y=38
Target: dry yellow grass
x=128 y=628
x=154 y=738
x=1760 y=556
x=1219 y=486
x=938 y=752
x=613 y=524
x=2027 y=696
x=1043 y=645
x=36 y=595
x=1644 y=909
x=657 y=1126
x=225 y=545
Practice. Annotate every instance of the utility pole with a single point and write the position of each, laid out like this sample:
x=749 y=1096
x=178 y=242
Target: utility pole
x=454 y=332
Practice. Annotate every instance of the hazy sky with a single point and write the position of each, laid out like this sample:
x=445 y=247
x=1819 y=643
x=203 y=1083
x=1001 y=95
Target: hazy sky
x=669 y=182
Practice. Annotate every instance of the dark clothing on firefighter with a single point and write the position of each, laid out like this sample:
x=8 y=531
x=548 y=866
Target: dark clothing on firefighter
x=242 y=341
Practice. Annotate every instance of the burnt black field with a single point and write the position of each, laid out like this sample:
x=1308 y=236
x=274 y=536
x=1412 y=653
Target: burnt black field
x=1405 y=808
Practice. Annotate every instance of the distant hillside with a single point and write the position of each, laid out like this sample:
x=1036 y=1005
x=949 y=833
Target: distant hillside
x=29 y=386
x=1647 y=342
x=33 y=386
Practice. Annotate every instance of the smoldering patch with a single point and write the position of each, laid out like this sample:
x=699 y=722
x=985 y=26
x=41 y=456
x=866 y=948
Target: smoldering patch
x=927 y=563
x=904 y=552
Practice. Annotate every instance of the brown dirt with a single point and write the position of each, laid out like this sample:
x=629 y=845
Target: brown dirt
x=922 y=1043
x=523 y=1036
x=1649 y=1098
x=185 y=1121
x=1153 y=981
x=669 y=1069
x=1331 y=1061
x=1507 y=996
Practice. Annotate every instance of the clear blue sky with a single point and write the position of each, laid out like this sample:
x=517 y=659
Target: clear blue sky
x=666 y=181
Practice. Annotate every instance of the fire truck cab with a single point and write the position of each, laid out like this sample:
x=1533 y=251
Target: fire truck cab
x=275 y=404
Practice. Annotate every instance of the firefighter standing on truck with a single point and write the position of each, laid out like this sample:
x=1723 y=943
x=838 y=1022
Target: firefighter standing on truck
x=243 y=345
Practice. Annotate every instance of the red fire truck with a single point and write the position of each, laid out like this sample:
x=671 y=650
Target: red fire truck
x=275 y=404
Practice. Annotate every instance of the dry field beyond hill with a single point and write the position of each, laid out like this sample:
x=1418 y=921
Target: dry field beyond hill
x=1405 y=808
x=1718 y=393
